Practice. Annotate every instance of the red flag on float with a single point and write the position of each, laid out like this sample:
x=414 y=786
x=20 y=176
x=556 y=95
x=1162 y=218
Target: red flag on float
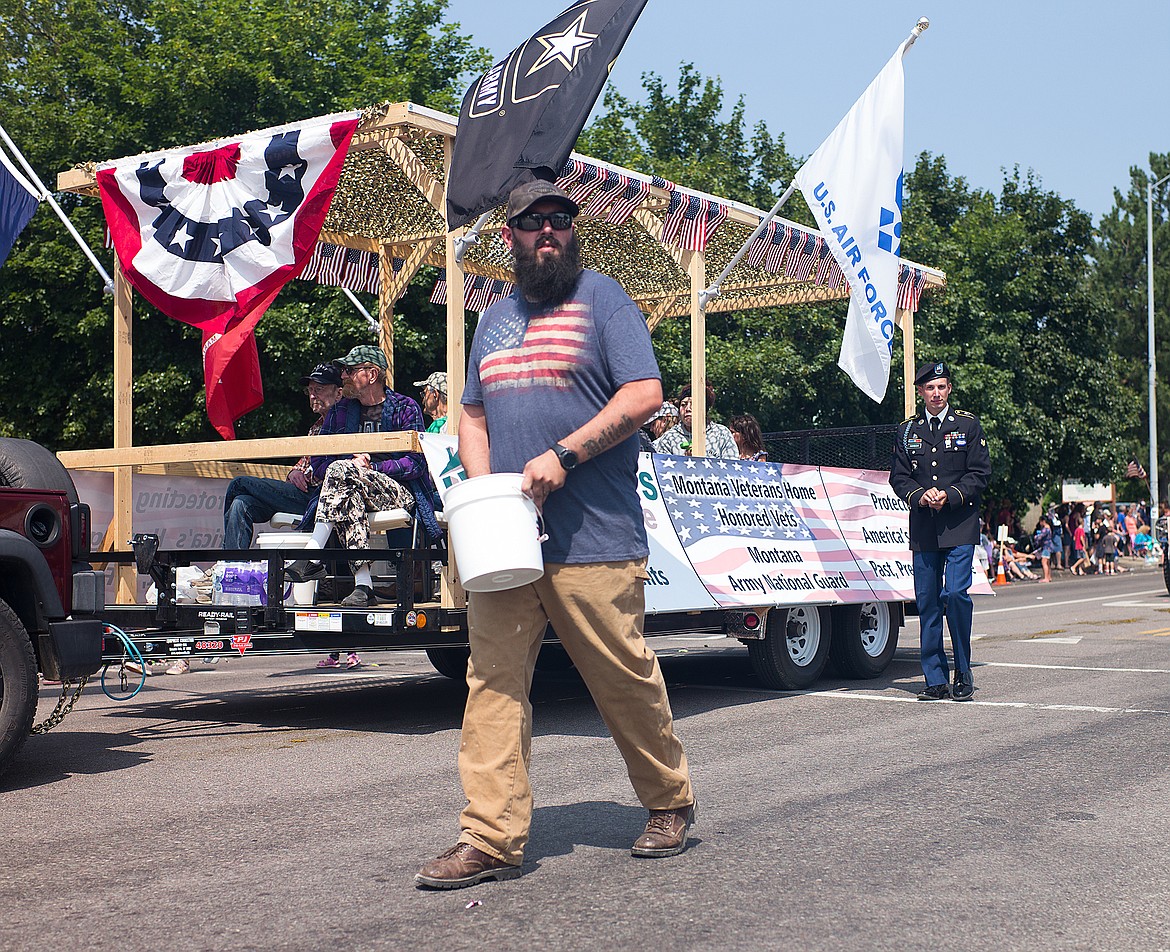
x=210 y=234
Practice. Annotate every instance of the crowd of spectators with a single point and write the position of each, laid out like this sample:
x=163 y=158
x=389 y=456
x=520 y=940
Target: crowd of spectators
x=1079 y=538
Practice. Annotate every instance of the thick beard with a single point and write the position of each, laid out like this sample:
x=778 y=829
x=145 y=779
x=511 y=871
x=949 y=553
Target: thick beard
x=552 y=281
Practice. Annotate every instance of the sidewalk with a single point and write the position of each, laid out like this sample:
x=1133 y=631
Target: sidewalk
x=1125 y=564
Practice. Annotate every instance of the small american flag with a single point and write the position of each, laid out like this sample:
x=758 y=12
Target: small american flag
x=570 y=174
x=774 y=255
x=824 y=266
x=590 y=178
x=659 y=182
x=1135 y=470
x=911 y=281
x=803 y=259
x=612 y=186
x=476 y=293
x=691 y=221
x=758 y=249
x=635 y=192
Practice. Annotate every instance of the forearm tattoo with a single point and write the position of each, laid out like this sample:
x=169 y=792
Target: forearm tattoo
x=613 y=433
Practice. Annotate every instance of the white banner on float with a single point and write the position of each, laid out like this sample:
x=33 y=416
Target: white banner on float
x=759 y=533
x=735 y=533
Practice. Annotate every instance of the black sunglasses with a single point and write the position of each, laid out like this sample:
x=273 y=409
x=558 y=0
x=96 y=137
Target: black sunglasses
x=534 y=221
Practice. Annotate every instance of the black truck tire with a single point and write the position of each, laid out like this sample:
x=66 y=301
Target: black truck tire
x=28 y=465
x=1166 y=567
x=450 y=662
x=795 y=649
x=18 y=685
x=865 y=638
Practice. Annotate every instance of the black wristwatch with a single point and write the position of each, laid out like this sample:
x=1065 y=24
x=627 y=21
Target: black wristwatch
x=567 y=457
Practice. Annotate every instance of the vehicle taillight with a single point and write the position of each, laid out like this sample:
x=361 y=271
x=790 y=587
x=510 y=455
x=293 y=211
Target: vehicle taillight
x=79 y=528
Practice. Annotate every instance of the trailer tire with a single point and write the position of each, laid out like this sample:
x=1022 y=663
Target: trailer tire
x=18 y=685
x=795 y=649
x=450 y=662
x=865 y=638
x=28 y=465
x=1166 y=567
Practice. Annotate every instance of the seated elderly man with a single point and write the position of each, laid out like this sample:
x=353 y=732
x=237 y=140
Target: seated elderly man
x=252 y=499
x=364 y=483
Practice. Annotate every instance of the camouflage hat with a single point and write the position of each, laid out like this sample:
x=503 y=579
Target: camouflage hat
x=436 y=381
x=363 y=354
x=667 y=409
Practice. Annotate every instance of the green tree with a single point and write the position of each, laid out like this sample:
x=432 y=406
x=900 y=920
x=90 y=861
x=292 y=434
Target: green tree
x=96 y=79
x=1034 y=346
x=1122 y=279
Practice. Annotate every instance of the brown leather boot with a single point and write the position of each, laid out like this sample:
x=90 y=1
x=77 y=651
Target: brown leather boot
x=463 y=865
x=665 y=833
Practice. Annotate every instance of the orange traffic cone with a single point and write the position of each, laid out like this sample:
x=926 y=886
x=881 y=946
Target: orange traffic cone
x=1000 y=575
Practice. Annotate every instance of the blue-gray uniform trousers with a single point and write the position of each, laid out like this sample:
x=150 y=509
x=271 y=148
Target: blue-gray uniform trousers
x=941 y=580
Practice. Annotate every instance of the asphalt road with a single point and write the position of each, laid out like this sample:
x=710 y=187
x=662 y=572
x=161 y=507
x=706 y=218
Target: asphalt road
x=263 y=804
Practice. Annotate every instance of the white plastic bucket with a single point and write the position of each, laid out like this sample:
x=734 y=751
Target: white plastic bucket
x=303 y=593
x=495 y=535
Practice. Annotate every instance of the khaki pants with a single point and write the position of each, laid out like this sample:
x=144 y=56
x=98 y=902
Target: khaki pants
x=597 y=612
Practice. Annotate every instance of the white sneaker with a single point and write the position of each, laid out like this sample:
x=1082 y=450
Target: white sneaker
x=182 y=666
x=138 y=668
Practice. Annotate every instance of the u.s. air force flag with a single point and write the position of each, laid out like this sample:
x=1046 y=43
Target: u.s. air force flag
x=210 y=234
x=853 y=184
x=520 y=119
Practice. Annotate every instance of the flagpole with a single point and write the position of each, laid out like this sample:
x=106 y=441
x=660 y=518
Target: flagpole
x=713 y=290
x=470 y=238
x=47 y=196
x=358 y=304
x=919 y=28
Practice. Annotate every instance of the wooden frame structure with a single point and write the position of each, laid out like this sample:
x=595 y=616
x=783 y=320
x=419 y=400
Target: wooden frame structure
x=390 y=201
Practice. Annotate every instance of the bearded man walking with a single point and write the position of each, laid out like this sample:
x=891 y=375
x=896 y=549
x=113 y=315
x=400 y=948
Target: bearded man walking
x=561 y=376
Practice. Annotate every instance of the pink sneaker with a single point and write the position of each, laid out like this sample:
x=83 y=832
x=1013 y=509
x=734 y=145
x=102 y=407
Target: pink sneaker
x=353 y=661
x=329 y=661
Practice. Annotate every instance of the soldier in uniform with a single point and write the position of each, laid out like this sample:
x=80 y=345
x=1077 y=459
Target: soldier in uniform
x=941 y=466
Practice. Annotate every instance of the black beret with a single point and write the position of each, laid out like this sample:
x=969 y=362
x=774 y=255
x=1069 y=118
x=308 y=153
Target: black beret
x=929 y=372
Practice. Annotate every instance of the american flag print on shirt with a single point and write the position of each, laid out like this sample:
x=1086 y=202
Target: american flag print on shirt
x=544 y=350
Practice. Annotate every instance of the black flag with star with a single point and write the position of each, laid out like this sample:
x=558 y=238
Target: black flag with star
x=520 y=119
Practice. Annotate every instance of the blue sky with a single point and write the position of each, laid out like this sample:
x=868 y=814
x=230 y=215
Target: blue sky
x=1077 y=91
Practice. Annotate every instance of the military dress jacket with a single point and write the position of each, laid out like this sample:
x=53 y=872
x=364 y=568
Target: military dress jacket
x=954 y=459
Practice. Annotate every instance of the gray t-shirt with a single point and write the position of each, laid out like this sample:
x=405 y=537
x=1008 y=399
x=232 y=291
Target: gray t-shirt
x=540 y=374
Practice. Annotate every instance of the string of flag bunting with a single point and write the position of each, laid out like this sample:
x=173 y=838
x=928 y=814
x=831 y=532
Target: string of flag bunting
x=340 y=267
x=780 y=249
x=479 y=293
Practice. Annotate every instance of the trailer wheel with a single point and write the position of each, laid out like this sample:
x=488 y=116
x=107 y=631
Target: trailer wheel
x=796 y=648
x=865 y=638
x=450 y=662
x=18 y=685
x=28 y=465
x=1166 y=567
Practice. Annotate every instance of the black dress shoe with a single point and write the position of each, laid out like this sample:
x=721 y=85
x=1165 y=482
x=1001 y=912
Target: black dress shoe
x=935 y=692
x=964 y=688
x=302 y=570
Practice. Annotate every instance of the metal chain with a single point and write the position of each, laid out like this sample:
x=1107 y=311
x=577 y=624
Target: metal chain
x=64 y=706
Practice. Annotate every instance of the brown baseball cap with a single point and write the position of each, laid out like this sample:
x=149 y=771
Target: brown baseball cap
x=524 y=196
